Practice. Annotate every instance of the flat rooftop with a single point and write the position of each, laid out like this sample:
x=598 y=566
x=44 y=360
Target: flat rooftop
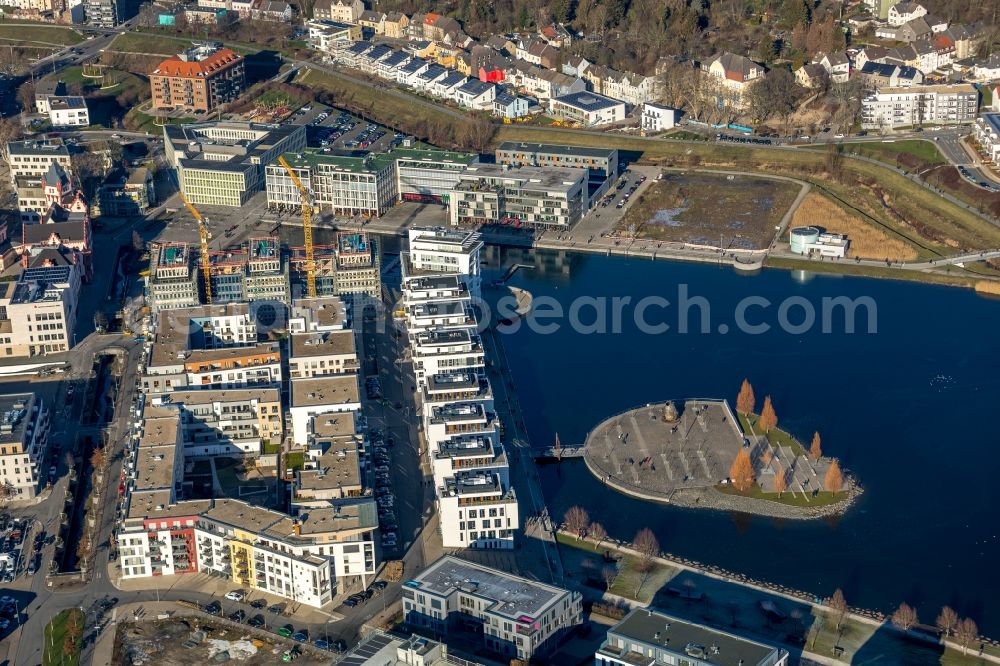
x=322 y=343
x=551 y=179
x=159 y=427
x=207 y=396
x=225 y=145
x=154 y=467
x=453 y=381
x=314 y=158
x=450 y=336
x=249 y=517
x=556 y=149
x=15 y=414
x=231 y=353
x=337 y=468
x=513 y=596
x=465 y=446
x=587 y=101
x=655 y=629
x=336 y=425
x=436 y=283
x=146 y=504
x=319 y=391
x=325 y=311
x=357 y=516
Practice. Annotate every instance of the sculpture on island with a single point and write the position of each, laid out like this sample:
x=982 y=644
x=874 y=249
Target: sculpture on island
x=670 y=414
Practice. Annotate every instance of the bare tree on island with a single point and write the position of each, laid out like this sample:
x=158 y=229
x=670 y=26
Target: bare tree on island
x=780 y=482
x=557 y=448
x=577 y=520
x=834 y=479
x=839 y=606
x=609 y=573
x=966 y=632
x=946 y=621
x=905 y=618
x=598 y=532
x=768 y=418
x=648 y=547
x=741 y=471
x=815 y=449
x=745 y=401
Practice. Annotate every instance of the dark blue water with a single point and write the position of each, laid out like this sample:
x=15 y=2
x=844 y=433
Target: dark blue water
x=910 y=410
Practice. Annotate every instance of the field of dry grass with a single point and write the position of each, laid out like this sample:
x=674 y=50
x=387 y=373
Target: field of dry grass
x=706 y=209
x=988 y=287
x=868 y=241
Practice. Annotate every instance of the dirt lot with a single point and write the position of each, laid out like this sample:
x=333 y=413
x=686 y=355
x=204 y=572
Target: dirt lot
x=184 y=641
x=704 y=209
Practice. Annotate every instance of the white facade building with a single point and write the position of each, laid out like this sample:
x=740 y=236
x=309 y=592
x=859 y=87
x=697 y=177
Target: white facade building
x=890 y=108
x=657 y=117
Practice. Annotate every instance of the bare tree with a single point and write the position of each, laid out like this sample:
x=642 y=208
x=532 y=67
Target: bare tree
x=838 y=605
x=905 y=617
x=577 y=520
x=966 y=632
x=946 y=621
x=598 y=533
x=648 y=547
x=138 y=244
x=10 y=130
x=609 y=573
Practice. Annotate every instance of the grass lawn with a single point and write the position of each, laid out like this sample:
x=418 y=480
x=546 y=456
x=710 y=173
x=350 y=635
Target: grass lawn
x=576 y=559
x=921 y=153
x=777 y=436
x=138 y=121
x=55 y=639
x=33 y=33
x=797 y=499
x=134 y=42
x=270 y=448
x=684 y=135
x=295 y=460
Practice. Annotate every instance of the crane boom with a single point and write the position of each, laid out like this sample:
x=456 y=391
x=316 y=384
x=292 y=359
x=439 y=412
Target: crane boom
x=203 y=238
x=306 y=225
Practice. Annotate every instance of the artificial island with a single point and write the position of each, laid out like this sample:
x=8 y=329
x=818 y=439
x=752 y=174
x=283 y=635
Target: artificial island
x=703 y=454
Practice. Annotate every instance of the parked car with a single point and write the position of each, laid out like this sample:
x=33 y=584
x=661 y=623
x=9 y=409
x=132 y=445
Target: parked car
x=236 y=595
x=340 y=645
x=256 y=621
x=238 y=615
x=258 y=603
x=321 y=644
x=301 y=636
x=213 y=608
x=286 y=631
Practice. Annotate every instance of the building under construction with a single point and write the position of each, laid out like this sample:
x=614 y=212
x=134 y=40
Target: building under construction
x=250 y=272
x=349 y=267
x=173 y=278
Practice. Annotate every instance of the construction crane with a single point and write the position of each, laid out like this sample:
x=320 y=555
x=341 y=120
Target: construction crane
x=307 y=231
x=203 y=237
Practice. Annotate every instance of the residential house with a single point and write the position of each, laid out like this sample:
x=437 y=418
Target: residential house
x=904 y=12
x=914 y=30
x=509 y=105
x=876 y=75
x=341 y=11
x=837 y=65
x=502 y=44
x=374 y=21
x=987 y=133
x=395 y=25
x=556 y=35
x=869 y=54
x=967 y=39
x=988 y=69
x=734 y=74
x=276 y=11
x=446 y=86
x=574 y=65
x=537 y=52
x=657 y=118
x=476 y=94
x=811 y=76
x=329 y=36
x=45 y=89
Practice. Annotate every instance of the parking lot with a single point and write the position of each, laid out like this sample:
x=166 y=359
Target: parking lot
x=332 y=130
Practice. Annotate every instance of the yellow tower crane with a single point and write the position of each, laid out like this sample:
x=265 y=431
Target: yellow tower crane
x=306 y=225
x=203 y=237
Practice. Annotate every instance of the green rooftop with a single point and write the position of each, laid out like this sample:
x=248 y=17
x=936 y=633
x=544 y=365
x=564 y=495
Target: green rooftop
x=311 y=157
x=430 y=155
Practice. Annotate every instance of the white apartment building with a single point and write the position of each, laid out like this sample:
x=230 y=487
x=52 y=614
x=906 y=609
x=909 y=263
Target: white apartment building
x=987 y=133
x=329 y=36
x=321 y=353
x=428 y=176
x=24 y=431
x=890 y=108
x=437 y=352
x=33 y=158
x=439 y=250
x=657 y=117
x=258 y=365
x=492 y=194
x=477 y=511
x=38 y=311
x=588 y=109
x=69 y=111
x=516 y=618
x=313 y=396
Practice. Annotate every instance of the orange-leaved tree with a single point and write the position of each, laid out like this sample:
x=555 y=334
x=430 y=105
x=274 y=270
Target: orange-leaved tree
x=834 y=479
x=745 y=401
x=741 y=471
x=768 y=418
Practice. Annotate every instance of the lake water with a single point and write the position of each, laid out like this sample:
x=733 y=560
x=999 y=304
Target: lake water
x=909 y=409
